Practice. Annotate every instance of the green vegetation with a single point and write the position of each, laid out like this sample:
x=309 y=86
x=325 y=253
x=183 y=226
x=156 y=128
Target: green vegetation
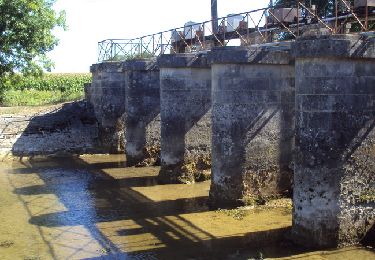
x=25 y=38
x=18 y=90
x=196 y=171
x=26 y=35
x=367 y=197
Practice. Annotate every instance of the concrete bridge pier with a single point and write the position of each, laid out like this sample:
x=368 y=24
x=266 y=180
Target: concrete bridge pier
x=142 y=123
x=252 y=124
x=106 y=94
x=334 y=180
x=185 y=82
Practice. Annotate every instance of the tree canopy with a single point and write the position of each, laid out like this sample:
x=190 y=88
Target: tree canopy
x=26 y=35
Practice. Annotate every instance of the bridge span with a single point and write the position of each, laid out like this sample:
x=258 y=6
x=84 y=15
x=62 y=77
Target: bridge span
x=266 y=118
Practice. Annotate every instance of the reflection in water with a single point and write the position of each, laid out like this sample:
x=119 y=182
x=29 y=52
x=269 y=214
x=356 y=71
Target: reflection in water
x=93 y=208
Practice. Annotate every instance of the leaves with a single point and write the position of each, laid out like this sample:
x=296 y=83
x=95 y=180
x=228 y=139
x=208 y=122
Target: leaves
x=26 y=35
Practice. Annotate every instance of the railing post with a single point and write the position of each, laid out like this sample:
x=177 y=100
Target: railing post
x=204 y=36
x=336 y=15
x=153 y=44
x=161 y=44
x=366 y=17
x=247 y=27
x=99 y=51
x=298 y=17
x=114 y=51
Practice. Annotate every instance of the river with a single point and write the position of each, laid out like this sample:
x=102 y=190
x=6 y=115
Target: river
x=92 y=207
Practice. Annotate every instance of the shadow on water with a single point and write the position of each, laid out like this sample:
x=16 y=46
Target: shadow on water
x=91 y=199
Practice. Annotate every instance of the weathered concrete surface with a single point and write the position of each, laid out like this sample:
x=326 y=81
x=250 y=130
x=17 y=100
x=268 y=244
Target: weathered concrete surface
x=142 y=121
x=185 y=82
x=106 y=94
x=252 y=124
x=59 y=130
x=334 y=180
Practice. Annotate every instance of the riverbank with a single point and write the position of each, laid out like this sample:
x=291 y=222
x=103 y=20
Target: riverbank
x=62 y=129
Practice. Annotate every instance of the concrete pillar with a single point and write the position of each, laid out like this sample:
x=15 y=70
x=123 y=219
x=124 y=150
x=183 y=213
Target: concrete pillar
x=142 y=121
x=334 y=180
x=107 y=95
x=185 y=83
x=252 y=124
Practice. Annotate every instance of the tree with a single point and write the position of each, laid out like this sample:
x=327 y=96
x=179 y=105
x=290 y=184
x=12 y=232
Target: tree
x=26 y=35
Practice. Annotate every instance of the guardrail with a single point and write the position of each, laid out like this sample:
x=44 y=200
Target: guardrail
x=253 y=27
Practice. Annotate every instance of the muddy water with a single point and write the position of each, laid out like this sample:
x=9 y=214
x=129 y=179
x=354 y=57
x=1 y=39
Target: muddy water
x=93 y=208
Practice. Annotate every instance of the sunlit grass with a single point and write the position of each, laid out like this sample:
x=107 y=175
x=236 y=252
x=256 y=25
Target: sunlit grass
x=31 y=97
x=50 y=88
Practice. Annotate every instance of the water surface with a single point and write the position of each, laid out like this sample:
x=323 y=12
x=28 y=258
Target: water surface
x=93 y=207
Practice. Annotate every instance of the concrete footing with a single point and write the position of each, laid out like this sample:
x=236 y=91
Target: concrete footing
x=334 y=180
x=252 y=122
x=142 y=123
x=106 y=94
x=185 y=82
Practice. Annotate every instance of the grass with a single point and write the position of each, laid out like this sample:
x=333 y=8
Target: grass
x=50 y=88
x=32 y=97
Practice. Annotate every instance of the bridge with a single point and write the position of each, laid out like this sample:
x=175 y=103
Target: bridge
x=260 y=26
x=287 y=112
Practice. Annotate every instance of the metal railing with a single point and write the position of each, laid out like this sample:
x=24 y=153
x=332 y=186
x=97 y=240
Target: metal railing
x=258 y=26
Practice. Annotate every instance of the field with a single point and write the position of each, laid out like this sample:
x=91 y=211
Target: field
x=51 y=88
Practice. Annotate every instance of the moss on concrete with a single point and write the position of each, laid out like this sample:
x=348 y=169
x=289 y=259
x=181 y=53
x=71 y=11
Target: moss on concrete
x=367 y=197
x=191 y=171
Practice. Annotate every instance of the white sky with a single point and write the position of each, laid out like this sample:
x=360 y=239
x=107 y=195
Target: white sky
x=90 y=21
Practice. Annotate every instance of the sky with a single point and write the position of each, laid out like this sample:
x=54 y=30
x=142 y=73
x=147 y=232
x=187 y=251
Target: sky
x=90 y=21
